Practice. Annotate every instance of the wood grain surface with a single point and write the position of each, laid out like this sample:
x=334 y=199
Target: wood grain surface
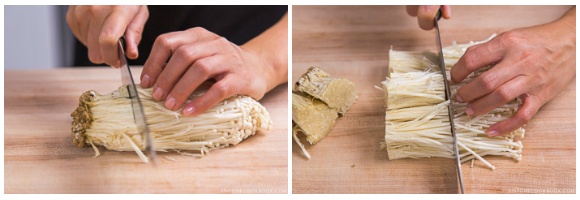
x=353 y=42
x=40 y=157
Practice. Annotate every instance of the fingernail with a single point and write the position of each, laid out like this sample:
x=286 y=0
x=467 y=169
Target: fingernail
x=145 y=81
x=188 y=111
x=170 y=102
x=158 y=94
x=492 y=133
x=469 y=110
x=457 y=97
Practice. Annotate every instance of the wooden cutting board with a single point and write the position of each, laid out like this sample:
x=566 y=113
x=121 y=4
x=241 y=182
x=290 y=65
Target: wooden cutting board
x=40 y=157
x=353 y=42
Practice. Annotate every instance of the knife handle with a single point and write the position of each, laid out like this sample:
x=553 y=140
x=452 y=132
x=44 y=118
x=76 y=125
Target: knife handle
x=439 y=13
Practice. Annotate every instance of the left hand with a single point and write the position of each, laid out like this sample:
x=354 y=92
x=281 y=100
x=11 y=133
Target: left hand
x=533 y=63
x=196 y=55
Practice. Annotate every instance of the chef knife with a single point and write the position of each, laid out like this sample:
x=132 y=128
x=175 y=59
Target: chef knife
x=137 y=107
x=447 y=97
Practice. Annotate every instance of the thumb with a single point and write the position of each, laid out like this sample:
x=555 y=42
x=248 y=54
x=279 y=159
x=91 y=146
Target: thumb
x=446 y=11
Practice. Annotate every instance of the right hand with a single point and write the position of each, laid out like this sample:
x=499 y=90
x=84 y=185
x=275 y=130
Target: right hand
x=100 y=27
x=426 y=14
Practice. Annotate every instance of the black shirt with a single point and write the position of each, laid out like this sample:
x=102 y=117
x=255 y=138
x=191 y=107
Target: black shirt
x=238 y=24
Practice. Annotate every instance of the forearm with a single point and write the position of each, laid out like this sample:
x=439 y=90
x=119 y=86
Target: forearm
x=272 y=47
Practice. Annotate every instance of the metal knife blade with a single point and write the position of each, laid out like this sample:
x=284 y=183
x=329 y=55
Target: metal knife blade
x=138 y=113
x=447 y=97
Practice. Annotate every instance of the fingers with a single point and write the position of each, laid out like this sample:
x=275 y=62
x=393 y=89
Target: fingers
x=221 y=90
x=426 y=16
x=476 y=57
x=487 y=82
x=526 y=111
x=412 y=10
x=90 y=21
x=92 y=42
x=74 y=24
x=163 y=48
x=201 y=70
x=114 y=27
x=160 y=52
x=100 y=27
x=446 y=12
x=134 y=32
x=184 y=57
x=499 y=97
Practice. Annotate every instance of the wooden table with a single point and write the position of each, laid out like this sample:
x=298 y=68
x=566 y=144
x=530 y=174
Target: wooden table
x=40 y=157
x=353 y=42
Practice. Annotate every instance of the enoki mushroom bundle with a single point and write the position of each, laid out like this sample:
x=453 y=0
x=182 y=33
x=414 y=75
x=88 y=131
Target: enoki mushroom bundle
x=417 y=121
x=107 y=120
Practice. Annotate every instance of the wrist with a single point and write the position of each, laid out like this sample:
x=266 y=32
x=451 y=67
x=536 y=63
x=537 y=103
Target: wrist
x=567 y=23
x=269 y=64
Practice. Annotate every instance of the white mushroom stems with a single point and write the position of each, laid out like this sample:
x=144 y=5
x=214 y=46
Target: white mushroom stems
x=417 y=121
x=108 y=122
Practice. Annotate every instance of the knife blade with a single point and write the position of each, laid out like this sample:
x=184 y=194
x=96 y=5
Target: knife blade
x=447 y=97
x=137 y=106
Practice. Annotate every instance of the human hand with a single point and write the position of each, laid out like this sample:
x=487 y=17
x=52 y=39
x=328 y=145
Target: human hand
x=533 y=63
x=100 y=27
x=426 y=14
x=196 y=55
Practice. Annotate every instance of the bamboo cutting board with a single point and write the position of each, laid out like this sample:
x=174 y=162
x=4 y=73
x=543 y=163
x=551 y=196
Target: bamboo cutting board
x=353 y=42
x=40 y=157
